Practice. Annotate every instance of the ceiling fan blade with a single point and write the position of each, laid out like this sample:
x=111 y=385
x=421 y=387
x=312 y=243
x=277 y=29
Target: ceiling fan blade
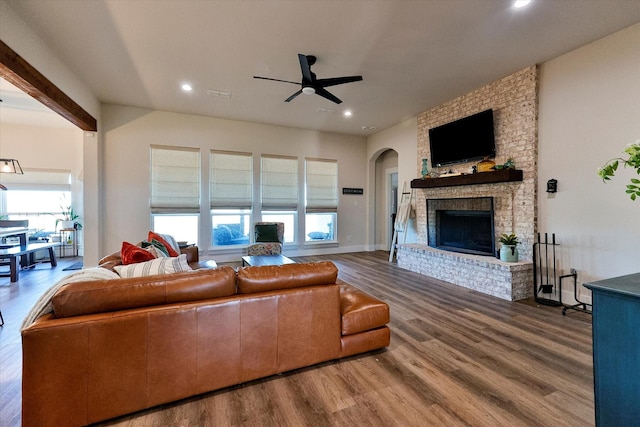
x=293 y=96
x=337 y=81
x=276 y=80
x=325 y=94
x=306 y=68
x=309 y=81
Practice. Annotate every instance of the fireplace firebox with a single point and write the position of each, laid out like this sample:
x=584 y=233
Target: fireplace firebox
x=461 y=225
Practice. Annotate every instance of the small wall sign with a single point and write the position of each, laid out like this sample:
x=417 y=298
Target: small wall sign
x=358 y=191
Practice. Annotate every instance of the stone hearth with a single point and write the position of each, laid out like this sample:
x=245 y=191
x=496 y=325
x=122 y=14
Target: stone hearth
x=507 y=280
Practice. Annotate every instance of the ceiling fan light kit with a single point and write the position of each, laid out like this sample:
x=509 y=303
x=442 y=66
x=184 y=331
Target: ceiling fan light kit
x=310 y=85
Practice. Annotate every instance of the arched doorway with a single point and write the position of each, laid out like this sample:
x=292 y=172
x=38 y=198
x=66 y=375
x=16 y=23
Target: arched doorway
x=386 y=197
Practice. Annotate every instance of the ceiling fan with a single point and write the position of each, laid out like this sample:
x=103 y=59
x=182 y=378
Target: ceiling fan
x=310 y=84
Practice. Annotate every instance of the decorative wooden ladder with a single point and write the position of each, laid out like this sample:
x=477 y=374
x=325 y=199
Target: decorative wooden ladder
x=402 y=218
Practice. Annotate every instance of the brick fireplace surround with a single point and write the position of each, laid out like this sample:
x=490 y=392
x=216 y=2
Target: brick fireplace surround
x=514 y=100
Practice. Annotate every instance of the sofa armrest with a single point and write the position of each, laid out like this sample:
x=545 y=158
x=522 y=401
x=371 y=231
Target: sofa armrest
x=360 y=311
x=192 y=254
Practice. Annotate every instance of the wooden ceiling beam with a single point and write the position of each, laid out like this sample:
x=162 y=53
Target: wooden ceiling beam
x=21 y=74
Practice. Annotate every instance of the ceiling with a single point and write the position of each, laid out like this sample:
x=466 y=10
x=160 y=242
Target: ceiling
x=19 y=108
x=413 y=55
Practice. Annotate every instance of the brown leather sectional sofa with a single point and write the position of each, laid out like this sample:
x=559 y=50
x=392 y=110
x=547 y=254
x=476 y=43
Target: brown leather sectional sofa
x=113 y=347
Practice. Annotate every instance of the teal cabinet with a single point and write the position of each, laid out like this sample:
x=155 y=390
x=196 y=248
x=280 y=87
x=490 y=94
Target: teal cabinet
x=616 y=350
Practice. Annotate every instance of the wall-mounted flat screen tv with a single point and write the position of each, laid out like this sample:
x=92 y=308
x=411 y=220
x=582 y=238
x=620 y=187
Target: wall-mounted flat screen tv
x=464 y=140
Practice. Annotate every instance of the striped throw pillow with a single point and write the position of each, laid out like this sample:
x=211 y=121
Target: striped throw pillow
x=155 y=266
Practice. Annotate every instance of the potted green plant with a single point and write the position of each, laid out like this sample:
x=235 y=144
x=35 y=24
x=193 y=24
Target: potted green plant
x=69 y=219
x=509 y=250
x=609 y=169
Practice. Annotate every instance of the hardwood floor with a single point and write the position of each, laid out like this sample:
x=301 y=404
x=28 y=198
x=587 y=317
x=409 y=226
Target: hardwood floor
x=457 y=358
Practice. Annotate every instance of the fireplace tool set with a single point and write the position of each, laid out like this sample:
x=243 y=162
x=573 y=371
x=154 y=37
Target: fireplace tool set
x=546 y=290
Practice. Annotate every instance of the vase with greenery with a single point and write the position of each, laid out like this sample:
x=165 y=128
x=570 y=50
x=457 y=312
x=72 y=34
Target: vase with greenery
x=633 y=161
x=509 y=249
x=425 y=169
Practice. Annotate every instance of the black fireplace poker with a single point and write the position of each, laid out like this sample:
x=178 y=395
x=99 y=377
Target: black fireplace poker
x=543 y=265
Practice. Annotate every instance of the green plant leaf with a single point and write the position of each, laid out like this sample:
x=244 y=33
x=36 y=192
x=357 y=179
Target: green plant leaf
x=609 y=169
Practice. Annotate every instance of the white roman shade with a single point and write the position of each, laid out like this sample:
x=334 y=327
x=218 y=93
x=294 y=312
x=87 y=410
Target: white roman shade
x=322 y=185
x=38 y=179
x=231 y=180
x=175 y=179
x=279 y=183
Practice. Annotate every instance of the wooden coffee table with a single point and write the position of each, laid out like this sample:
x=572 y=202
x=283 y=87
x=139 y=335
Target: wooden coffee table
x=259 y=260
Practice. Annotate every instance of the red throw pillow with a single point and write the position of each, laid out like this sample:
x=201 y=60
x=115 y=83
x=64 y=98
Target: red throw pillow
x=132 y=254
x=159 y=238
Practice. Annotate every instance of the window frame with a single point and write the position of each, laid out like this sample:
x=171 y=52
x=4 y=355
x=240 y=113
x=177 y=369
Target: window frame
x=178 y=236
x=231 y=212
x=288 y=231
x=280 y=191
x=320 y=198
x=236 y=176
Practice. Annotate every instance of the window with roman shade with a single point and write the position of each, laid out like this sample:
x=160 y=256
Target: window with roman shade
x=175 y=179
x=279 y=183
x=231 y=180
x=321 y=185
x=231 y=192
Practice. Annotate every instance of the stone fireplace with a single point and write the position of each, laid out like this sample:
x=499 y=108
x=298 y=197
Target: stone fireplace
x=513 y=204
x=461 y=225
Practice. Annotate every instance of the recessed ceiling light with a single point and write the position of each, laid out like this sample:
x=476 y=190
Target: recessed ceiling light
x=186 y=87
x=521 y=3
x=347 y=113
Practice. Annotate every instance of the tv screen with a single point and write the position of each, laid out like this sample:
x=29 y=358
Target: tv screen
x=464 y=140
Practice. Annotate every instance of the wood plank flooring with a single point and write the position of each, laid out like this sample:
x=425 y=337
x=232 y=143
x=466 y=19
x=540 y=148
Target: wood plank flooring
x=457 y=358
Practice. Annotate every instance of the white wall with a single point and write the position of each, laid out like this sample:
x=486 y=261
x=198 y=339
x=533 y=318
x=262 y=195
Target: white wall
x=403 y=138
x=589 y=112
x=129 y=131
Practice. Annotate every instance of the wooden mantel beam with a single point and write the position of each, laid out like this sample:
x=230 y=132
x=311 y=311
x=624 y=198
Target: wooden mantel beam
x=24 y=76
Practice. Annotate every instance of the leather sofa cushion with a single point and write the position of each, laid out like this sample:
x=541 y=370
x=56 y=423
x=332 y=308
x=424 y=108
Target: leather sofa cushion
x=273 y=277
x=360 y=311
x=99 y=296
